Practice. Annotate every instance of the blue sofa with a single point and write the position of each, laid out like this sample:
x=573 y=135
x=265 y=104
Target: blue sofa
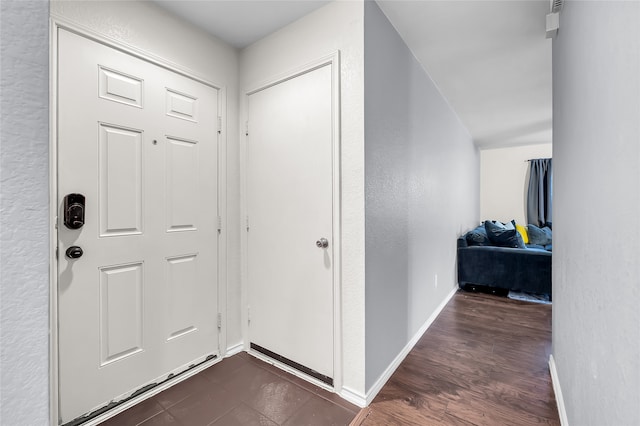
x=503 y=268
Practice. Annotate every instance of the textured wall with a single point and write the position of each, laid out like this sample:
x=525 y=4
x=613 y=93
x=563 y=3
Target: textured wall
x=337 y=26
x=596 y=233
x=504 y=174
x=422 y=191
x=24 y=212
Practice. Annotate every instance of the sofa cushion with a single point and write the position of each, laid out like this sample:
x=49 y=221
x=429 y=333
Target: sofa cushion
x=477 y=237
x=540 y=236
x=503 y=237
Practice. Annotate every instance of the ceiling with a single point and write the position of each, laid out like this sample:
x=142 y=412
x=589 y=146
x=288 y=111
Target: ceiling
x=240 y=22
x=489 y=58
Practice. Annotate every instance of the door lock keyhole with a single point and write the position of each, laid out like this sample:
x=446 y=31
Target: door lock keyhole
x=74 y=252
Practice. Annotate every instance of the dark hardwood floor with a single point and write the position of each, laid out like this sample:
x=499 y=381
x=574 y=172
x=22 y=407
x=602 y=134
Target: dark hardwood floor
x=484 y=361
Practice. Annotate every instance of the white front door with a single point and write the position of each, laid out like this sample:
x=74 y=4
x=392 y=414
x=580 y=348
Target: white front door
x=139 y=142
x=290 y=209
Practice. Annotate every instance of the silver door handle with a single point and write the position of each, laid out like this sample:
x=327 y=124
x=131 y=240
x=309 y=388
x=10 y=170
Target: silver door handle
x=322 y=243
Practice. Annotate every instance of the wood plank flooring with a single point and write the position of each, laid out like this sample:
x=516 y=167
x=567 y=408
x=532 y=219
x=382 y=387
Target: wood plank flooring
x=484 y=361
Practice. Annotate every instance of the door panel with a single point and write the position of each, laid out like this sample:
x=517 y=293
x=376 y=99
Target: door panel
x=290 y=207
x=182 y=276
x=141 y=302
x=120 y=312
x=182 y=184
x=120 y=177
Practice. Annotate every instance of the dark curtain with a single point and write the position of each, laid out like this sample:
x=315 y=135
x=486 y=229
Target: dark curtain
x=540 y=192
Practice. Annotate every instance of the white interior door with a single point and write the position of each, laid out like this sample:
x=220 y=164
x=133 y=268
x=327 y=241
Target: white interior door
x=290 y=208
x=140 y=143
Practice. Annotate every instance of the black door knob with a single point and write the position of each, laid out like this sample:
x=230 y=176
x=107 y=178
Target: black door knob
x=74 y=252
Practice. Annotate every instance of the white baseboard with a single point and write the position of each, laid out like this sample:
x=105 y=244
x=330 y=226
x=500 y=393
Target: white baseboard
x=353 y=397
x=405 y=351
x=562 y=411
x=235 y=349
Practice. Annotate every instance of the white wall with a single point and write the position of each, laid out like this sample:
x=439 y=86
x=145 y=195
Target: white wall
x=596 y=247
x=504 y=174
x=422 y=192
x=24 y=212
x=337 y=26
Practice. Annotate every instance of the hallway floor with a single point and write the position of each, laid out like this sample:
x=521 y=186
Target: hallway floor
x=483 y=362
x=240 y=390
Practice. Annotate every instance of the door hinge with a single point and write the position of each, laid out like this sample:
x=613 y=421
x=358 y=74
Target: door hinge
x=57 y=250
x=219 y=224
x=249 y=314
x=219 y=124
x=246 y=128
x=247 y=223
x=219 y=321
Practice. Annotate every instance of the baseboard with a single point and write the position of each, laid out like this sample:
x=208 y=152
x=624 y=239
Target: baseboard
x=353 y=397
x=360 y=417
x=562 y=411
x=235 y=349
x=405 y=351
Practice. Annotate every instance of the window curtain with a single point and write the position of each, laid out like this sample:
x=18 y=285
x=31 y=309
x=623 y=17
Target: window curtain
x=540 y=192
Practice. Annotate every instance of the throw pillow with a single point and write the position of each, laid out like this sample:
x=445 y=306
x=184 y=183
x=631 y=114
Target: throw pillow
x=541 y=236
x=503 y=237
x=523 y=232
x=497 y=223
x=478 y=237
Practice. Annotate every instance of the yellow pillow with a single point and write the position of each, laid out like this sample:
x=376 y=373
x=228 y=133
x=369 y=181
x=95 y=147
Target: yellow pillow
x=523 y=231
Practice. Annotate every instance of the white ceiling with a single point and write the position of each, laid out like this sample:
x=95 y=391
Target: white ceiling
x=240 y=22
x=489 y=58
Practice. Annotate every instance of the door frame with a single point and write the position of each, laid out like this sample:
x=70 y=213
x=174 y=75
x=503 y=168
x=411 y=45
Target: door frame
x=332 y=59
x=57 y=23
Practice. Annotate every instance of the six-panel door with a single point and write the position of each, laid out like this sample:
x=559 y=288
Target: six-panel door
x=140 y=143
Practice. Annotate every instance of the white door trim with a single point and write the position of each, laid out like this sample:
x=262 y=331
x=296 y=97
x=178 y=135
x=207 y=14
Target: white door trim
x=56 y=23
x=332 y=59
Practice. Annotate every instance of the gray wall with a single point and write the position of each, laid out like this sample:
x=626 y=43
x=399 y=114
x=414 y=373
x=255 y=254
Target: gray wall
x=421 y=192
x=596 y=247
x=24 y=212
